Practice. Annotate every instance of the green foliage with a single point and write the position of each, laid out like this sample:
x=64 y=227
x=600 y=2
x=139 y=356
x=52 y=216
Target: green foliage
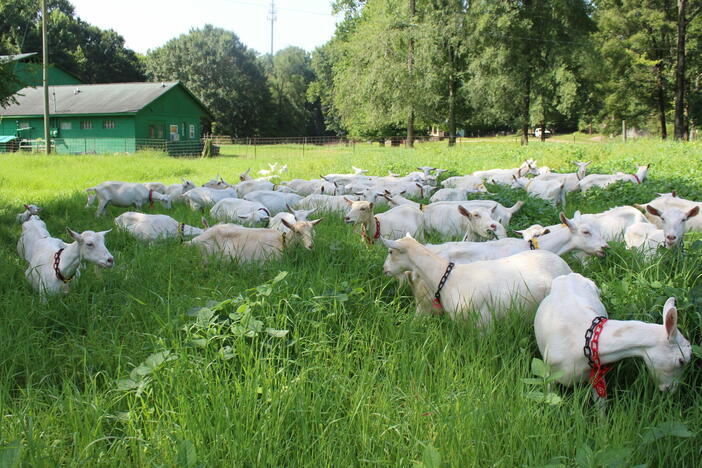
x=222 y=72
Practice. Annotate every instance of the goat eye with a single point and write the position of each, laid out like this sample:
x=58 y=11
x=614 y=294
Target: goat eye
x=681 y=361
x=90 y=244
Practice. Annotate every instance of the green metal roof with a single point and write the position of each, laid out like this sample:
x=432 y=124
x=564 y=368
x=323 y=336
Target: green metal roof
x=113 y=98
x=7 y=138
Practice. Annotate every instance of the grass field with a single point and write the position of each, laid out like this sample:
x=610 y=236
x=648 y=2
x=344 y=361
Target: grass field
x=130 y=370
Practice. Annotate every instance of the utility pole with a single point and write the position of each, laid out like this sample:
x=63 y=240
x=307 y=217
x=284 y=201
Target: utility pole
x=272 y=15
x=44 y=66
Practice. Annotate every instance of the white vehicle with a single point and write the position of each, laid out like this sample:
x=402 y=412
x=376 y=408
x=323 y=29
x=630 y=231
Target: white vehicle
x=537 y=132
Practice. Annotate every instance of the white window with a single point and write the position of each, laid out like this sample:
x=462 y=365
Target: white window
x=65 y=125
x=192 y=131
x=86 y=125
x=24 y=125
x=108 y=124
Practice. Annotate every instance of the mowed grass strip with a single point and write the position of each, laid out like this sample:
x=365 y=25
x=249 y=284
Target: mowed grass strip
x=357 y=380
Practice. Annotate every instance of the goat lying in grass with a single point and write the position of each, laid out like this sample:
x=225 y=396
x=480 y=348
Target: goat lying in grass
x=565 y=314
x=232 y=242
x=54 y=264
x=148 y=227
x=603 y=180
x=392 y=224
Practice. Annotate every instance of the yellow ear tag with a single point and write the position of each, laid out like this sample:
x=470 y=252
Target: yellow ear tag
x=534 y=243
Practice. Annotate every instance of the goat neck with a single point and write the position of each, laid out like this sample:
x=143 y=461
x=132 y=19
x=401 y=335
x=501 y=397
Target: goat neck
x=558 y=241
x=427 y=265
x=70 y=260
x=627 y=338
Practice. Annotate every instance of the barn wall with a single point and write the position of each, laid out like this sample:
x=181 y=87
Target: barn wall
x=176 y=107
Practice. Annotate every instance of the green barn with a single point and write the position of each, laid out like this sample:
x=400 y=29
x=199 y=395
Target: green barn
x=110 y=118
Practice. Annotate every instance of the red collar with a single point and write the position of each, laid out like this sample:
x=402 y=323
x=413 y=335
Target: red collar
x=592 y=353
x=151 y=199
x=57 y=270
x=637 y=178
x=365 y=235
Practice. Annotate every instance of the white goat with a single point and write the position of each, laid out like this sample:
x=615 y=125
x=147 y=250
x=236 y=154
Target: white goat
x=466 y=182
x=276 y=202
x=575 y=234
x=571 y=179
x=201 y=197
x=454 y=194
x=217 y=183
x=505 y=176
x=54 y=264
x=392 y=224
x=124 y=194
x=668 y=201
x=308 y=187
x=237 y=243
x=240 y=210
x=33 y=230
x=156 y=187
x=674 y=221
x=603 y=180
x=148 y=227
x=175 y=191
x=327 y=203
x=246 y=186
x=612 y=223
x=487 y=287
x=644 y=236
x=552 y=191
x=29 y=211
x=291 y=216
x=568 y=312
x=445 y=219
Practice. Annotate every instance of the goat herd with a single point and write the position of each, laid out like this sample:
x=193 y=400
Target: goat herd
x=487 y=277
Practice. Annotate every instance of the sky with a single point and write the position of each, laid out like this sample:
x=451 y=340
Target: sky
x=148 y=24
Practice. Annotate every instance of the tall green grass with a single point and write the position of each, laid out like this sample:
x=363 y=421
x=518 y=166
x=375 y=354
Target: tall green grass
x=130 y=370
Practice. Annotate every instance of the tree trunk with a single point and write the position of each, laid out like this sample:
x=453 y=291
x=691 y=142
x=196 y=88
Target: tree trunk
x=410 y=70
x=661 y=102
x=525 y=112
x=543 y=132
x=679 y=132
x=452 y=112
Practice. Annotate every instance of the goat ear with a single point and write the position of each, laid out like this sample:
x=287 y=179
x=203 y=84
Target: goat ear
x=546 y=231
x=674 y=193
x=648 y=166
x=316 y=221
x=290 y=210
x=639 y=207
x=566 y=221
x=692 y=212
x=348 y=202
x=205 y=223
x=26 y=207
x=76 y=236
x=104 y=233
x=670 y=318
x=370 y=205
x=391 y=244
x=287 y=224
x=652 y=210
x=518 y=232
x=463 y=211
x=493 y=209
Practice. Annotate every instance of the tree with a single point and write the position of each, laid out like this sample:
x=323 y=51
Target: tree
x=93 y=55
x=8 y=85
x=522 y=67
x=684 y=17
x=289 y=75
x=222 y=72
x=376 y=89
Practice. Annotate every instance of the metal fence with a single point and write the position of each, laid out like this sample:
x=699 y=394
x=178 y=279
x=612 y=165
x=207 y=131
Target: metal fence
x=113 y=146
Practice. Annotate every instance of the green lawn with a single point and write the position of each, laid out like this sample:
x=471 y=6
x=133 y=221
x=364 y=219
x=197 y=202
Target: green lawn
x=127 y=370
